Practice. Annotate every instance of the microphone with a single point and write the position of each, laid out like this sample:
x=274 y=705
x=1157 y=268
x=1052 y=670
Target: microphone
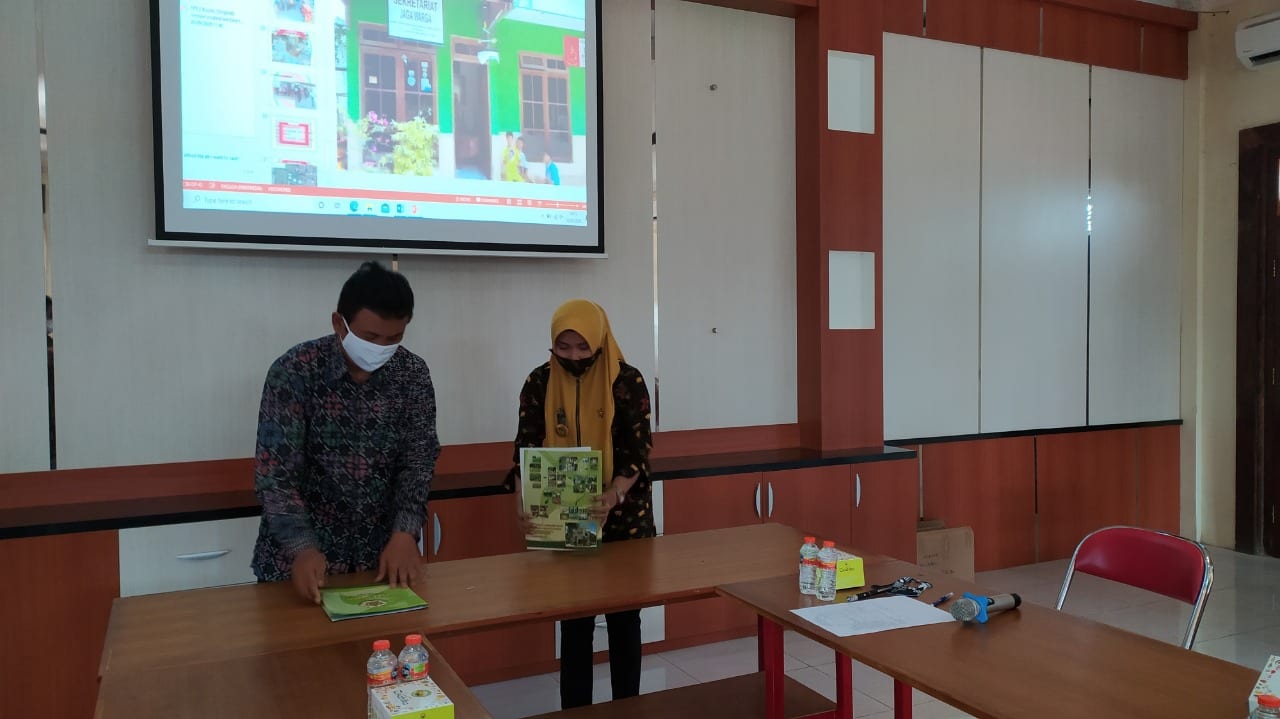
x=973 y=607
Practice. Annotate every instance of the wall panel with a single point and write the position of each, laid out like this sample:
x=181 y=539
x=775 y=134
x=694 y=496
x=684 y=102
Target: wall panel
x=1035 y=150
x=1134 y=262
x=726 y=217
x=24 y=420
x=932 y=168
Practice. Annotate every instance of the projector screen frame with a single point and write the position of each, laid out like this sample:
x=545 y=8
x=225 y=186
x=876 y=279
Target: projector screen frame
x=287 y=243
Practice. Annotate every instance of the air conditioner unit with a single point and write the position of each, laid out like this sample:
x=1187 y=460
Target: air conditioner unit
x=1258 y=40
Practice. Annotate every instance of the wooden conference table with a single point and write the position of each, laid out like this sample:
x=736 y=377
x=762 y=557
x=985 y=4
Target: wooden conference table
x=261 y=645
x=165 y=649
x=1032 y=662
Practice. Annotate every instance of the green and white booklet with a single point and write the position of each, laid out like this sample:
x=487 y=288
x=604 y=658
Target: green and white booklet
x=352 y=602
x=559 y=487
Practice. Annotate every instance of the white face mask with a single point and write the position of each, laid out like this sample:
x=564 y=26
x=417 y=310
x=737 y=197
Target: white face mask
x=367 y=355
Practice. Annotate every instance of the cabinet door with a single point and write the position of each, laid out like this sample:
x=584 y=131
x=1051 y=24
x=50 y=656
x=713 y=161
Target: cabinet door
x=692 y=505
x=815 y=500
x=477 y=527
x=53 y=626
x=1159 y=485
x=886 y=505
x=472 y=527
x=731 y=500
x=1084 y=481
x=989 y=485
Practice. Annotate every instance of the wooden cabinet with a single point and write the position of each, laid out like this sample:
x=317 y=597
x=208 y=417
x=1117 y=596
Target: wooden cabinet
x=815 y=500
x=886 y=505
x=691 y=505
x=1084 y=481
x=478 y=527
x=68 y=581
x=989 y=485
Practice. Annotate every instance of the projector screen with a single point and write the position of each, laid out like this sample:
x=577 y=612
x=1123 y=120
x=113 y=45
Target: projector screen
x=410 y=125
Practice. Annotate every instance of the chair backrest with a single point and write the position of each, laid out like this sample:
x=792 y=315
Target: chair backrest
x=1158 y=562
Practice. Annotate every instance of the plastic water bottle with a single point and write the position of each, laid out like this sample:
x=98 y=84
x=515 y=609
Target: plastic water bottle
x=382 y=665
x=809 y=566
x=1268 y=707
x=381 y=670
x=827 y=571
x=413 y=659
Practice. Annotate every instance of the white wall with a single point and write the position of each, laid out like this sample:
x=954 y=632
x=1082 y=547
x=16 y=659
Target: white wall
x=1222 y=99
x=726 y=216
x=932 y=170
x=1134 y=248
x=1035 y=153
x=24 y=398
x=161 y=352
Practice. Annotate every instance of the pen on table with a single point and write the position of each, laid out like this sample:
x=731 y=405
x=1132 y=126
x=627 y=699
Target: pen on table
x=942 y=600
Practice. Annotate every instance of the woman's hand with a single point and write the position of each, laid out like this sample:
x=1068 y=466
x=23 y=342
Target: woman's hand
x=526 y=522
x=605 y=503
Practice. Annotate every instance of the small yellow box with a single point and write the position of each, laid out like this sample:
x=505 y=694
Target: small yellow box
x=420 y=699
x=848 y=571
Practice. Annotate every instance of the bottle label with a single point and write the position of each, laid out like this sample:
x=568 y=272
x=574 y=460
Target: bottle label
x=413 y=672
x=828 y=566
x=381 y=679
x=811 y=561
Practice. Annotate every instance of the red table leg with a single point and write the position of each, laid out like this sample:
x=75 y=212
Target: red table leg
x=901 y=700
x=774 y=669
x=844 y=687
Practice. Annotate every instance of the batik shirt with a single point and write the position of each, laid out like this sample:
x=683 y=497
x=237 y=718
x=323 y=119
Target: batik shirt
x=341 y=465
x=632 y=441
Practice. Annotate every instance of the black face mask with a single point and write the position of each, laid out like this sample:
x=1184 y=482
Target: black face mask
x=578 y=367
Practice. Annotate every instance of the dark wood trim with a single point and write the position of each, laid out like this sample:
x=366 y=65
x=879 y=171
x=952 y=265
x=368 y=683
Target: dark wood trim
x=904 y=17
x=1032 y=432
x=1257 y=145
x=1136 y=10
x=781 y=8
x=84 y=500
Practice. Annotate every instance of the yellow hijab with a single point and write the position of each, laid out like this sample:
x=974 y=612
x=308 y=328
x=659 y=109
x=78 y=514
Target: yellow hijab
x=582 y=407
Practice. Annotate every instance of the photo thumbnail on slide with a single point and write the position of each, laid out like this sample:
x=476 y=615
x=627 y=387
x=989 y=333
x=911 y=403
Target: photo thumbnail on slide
x=473 y=89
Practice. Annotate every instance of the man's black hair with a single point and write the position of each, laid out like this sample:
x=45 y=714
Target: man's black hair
x=377 y=289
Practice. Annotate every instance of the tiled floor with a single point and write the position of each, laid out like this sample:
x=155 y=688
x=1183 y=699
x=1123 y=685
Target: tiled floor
x=1241 y=624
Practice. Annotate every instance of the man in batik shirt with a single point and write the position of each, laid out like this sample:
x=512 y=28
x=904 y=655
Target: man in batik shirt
x=347 y=445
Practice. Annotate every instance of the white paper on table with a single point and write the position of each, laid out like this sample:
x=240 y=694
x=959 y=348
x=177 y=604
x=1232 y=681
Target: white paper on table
x=868 y=616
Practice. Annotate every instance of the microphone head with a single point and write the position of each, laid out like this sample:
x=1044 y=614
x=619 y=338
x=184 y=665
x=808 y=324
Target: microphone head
x=965 y=609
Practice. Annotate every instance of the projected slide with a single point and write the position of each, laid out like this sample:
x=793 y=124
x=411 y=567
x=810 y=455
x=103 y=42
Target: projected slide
x=441 y=114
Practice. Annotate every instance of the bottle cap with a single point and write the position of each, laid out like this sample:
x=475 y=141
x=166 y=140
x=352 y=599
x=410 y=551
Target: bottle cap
x=1268 y=700
x=381 y=645
x=828 y=543
x=413 y=639
x=809 y=540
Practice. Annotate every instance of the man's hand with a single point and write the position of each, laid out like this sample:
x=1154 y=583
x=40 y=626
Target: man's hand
x=308 y=573
x=400 y=560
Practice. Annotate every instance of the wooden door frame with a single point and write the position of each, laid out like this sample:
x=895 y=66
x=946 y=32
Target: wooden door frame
x=1257 y=178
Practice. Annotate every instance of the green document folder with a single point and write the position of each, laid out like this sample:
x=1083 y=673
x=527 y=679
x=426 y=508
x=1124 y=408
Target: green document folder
x=351 y=602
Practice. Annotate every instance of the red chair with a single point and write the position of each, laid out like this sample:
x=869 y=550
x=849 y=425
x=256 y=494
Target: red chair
x=1155 y=561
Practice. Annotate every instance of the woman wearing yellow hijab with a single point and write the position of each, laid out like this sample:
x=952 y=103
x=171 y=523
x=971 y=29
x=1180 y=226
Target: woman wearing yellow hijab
x=587 y=396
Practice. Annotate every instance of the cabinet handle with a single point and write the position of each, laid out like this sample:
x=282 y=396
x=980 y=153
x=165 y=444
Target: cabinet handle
x=197 y=556
x=857 y=490
x=758 y=515
x=436 y=533
x=770 y=499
